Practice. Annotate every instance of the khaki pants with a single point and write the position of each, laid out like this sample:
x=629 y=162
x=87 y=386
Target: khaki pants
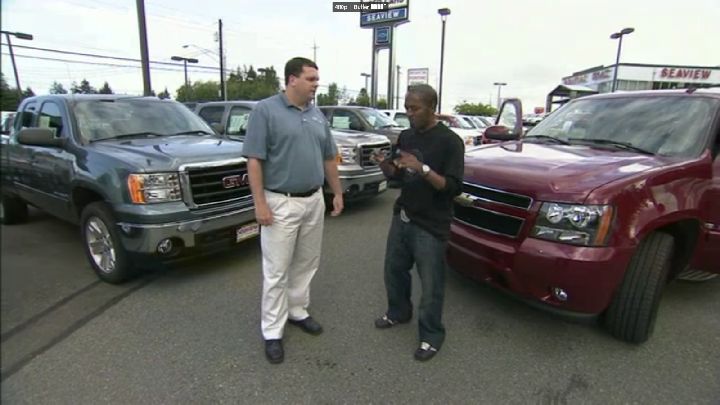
x=291 y=255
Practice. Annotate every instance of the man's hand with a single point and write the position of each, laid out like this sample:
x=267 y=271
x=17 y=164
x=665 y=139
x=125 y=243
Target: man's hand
x=377 y=157
x=337 y=205
x=263 y=215
x=408 y=160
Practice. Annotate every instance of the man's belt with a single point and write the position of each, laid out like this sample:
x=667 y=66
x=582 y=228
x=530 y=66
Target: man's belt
x=300 y=194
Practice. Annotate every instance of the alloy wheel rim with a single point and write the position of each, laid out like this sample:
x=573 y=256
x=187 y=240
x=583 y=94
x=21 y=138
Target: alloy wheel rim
x=100 y=245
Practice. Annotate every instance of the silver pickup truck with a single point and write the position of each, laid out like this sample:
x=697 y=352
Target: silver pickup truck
x=360 y=178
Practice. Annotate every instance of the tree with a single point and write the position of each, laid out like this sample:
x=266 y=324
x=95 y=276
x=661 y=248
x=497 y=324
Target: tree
x=9 y=99
x=83 y=88
x=105 y=89
x=164 y=94
x=28 y=93
x=475 y=109
x=363 y=98
x=331 y=98
x=57 y=88
x=246 y=84
x=199 y=91
x=382 y=104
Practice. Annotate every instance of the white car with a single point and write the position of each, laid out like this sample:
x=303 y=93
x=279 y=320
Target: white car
x=399 y=116
x=469 y=134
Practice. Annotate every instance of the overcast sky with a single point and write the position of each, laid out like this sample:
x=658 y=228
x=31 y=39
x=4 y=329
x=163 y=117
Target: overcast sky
x=529 y=44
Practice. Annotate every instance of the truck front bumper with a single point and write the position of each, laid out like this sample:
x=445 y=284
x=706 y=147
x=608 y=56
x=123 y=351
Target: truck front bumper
x=361 y=185
x=562 y=277
x=208 y=233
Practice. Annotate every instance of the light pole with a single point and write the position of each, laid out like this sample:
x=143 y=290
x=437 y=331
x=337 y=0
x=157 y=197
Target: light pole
x=18 y=35
x=499 y=84
x=444 y=12
x=397 y=89
x=185 y=62
x=618 y=36
x=217 y=57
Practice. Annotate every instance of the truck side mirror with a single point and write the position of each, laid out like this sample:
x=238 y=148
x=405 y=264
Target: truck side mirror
x=508 y=125
x=39 y=137
x=218 y=127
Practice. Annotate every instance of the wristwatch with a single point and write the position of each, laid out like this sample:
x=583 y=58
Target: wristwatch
x=425 y=170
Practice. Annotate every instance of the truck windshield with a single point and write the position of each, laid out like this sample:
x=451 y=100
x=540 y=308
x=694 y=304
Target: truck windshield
x=377 y=119
x=108 y=119
x=667 y=126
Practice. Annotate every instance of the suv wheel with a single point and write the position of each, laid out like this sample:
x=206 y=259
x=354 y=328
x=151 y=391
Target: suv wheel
x=102 y=244
x=13 y=210
x=631 y=315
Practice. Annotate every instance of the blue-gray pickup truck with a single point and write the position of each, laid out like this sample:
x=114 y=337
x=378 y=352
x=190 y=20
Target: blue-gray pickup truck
x=144 y=178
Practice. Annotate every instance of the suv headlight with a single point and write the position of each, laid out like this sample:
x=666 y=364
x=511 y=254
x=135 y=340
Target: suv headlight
x=154 y=188
x=346 y=154
x=585 y=225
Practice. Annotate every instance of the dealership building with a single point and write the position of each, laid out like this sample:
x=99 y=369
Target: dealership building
x=633 y=76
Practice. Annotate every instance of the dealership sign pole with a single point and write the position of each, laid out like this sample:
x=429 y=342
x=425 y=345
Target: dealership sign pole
x=383 y=16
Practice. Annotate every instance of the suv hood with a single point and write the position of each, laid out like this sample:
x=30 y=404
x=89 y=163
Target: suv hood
x=169 y=153
x=553 y=172
x=348 y=137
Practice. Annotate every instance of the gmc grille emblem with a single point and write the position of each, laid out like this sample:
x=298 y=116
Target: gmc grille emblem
x=235 y=181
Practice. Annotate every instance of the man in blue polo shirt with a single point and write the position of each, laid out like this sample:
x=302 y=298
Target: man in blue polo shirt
x=291 y=153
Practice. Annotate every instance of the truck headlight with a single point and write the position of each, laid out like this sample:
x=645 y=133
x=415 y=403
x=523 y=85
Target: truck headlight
x=154 y=188
x=346 y=154
x=585 y=225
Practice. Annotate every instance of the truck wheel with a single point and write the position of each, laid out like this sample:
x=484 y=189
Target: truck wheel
x=631 y=315
x=102 y=244
x=13 y=210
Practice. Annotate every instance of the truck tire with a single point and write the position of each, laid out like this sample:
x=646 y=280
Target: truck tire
x=102 y=244
x=13 y=210
x=632 y=312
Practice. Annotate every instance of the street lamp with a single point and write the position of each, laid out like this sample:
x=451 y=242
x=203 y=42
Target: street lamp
x=618 y=36
x=217 y=57
x=499 y=84
x=18 y=35
x=185 y=61
x=367 y=76
x=444 y=12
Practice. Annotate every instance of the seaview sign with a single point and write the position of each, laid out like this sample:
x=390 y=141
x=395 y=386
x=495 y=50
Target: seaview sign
x=380 y=17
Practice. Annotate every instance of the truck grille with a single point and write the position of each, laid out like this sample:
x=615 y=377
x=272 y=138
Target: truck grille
x=486 y=219
x=218 y=184
x=366 y=150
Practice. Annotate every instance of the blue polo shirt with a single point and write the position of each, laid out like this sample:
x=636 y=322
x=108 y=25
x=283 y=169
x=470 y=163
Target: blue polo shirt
x=293 y=144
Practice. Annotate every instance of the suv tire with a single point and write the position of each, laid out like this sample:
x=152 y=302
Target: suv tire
x=632 y=312
x=13 y=210
x=102 y=244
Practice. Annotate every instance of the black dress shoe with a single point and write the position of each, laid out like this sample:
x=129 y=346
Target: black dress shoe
x=274 y=351
x=308 y=325
x=385 y=322
x=425 y=352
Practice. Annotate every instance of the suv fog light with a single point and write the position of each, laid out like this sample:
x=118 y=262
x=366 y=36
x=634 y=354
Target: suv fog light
x=165 y=246
x=560 y=294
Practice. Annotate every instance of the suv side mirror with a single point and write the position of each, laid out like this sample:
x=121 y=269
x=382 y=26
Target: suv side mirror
x=39 y=137
x=508 y=125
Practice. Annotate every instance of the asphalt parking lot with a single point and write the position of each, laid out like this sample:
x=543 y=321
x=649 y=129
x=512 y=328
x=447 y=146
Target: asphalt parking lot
x=190 y=333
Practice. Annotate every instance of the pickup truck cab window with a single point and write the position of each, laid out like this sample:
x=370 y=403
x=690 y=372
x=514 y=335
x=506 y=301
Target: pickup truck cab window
x=237 y=120
x=51 y=117
x=344 y=119
x=212 y=114
x=27 y=116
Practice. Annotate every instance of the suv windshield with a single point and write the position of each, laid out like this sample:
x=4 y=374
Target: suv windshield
x=667 y=126
x=377 y=119
x=107 y=119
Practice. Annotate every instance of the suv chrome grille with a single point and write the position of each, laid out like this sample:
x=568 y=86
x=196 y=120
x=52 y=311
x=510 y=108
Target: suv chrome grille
x=467 y=212
x=366 y=150
x=218 y=184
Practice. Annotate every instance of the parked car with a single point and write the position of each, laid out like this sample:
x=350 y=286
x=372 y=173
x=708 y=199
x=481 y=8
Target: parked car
x=470 y=135
x=598 y=207
x=7 y=121
x=144 y=178
x=360 y=178
x=364 y=119
x=399 y=116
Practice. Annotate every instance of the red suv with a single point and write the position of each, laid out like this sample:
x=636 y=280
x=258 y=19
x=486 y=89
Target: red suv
x=598 y=207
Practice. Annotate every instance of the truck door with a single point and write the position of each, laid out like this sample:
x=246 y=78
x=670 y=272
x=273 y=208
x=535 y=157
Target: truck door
x=52 y=166
x=707 y=255
x=17 y=174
